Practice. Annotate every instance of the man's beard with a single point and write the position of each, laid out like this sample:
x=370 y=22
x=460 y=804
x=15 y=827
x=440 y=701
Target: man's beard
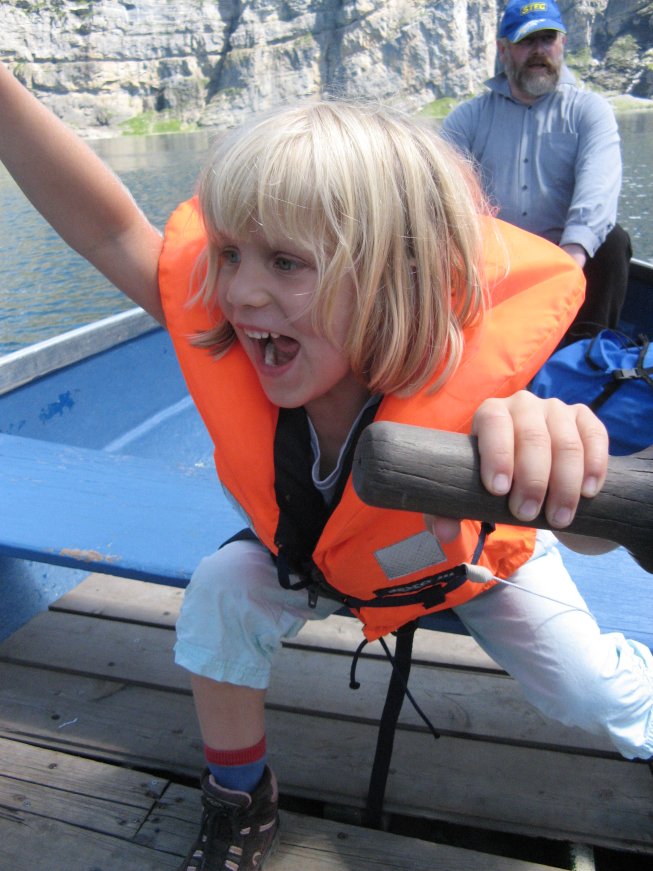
x=532 y=80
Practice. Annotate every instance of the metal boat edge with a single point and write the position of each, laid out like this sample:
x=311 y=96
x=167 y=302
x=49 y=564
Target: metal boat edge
x=25 y=365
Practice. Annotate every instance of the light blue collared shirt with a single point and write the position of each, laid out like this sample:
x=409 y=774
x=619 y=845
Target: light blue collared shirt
x=554 y=167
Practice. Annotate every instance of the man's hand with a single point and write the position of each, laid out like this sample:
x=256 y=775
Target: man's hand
x=577 y=252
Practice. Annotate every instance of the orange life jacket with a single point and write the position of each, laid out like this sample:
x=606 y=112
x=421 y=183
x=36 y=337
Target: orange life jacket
x=535 y=291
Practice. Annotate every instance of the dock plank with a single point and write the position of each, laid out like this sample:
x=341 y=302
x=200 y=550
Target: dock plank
x=77 y=806
x=53 y=770
x=457 y=702
x=551 y=794
x=32 y=843
x=41 y=844
x=310 y=844
x=82 y=829
x=82 y=682
x=344 y=848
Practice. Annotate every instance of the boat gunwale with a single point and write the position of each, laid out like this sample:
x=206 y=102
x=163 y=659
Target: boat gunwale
x=42 y=358
x=641 y=270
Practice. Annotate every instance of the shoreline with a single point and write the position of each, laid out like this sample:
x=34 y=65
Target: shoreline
x=622 y=104
x=626 y=103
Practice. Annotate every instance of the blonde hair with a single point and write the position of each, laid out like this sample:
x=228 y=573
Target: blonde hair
x=373 y=194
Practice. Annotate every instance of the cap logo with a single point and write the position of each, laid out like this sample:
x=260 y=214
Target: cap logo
x=521 y=19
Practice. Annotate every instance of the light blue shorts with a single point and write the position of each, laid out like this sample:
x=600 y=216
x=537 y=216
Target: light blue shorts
x=235 y=615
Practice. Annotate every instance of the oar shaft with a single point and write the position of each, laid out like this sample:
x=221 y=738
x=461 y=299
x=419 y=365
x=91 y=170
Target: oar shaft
x=435 y=472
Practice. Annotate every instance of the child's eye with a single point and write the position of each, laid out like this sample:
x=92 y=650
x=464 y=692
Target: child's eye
x=230 y=255
x=285 y=264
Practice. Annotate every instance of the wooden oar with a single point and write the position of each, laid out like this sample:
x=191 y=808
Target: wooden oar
x=434 y=472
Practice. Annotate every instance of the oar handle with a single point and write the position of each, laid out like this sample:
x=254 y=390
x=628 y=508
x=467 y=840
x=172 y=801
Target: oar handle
x=434 y=472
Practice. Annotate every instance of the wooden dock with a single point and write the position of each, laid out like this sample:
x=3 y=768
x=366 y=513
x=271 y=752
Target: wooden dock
x=100 y=751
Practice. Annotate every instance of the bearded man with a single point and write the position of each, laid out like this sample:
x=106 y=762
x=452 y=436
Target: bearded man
x=549 y=156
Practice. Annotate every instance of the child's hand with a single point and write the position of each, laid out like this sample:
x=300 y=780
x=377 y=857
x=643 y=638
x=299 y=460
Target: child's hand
x=537 y=450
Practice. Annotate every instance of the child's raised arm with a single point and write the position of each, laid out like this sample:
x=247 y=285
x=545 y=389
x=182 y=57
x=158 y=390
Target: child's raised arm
x=78 y=195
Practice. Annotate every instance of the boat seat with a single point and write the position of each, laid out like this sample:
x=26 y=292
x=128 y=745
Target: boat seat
x=127 y=516
x=109 y=513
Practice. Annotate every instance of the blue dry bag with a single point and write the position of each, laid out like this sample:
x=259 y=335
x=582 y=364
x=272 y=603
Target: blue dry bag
x=614 y=376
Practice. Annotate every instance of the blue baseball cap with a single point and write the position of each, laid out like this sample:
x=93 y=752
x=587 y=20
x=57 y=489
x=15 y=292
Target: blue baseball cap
x=521 y=18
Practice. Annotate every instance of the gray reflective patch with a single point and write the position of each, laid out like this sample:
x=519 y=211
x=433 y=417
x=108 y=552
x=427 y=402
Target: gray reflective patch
x=410 y=555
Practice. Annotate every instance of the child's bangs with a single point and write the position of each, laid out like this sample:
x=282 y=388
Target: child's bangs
x=228 y=194
x=289 y=205
x=269 y=181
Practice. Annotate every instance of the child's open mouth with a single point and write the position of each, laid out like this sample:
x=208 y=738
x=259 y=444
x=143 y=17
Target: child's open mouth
x=277 y=350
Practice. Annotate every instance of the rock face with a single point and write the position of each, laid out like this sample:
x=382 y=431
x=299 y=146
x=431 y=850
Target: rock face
x=106 y=63
x=611 y=43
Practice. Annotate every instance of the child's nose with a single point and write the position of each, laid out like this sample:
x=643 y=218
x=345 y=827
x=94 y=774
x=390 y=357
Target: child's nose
x=248 y=286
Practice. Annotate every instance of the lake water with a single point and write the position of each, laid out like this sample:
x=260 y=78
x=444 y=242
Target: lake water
x=46 y=289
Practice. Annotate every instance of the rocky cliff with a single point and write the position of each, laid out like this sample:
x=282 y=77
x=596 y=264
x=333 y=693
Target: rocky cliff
x=157 y=64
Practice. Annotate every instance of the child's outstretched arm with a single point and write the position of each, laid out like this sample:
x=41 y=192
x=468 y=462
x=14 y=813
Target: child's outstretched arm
x=78 y=195
x=541 y=452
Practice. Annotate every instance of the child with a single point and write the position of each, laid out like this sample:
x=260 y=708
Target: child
x=335 y=268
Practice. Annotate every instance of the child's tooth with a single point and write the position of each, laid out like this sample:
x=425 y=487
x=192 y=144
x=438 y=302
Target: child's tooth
x=270 y=354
